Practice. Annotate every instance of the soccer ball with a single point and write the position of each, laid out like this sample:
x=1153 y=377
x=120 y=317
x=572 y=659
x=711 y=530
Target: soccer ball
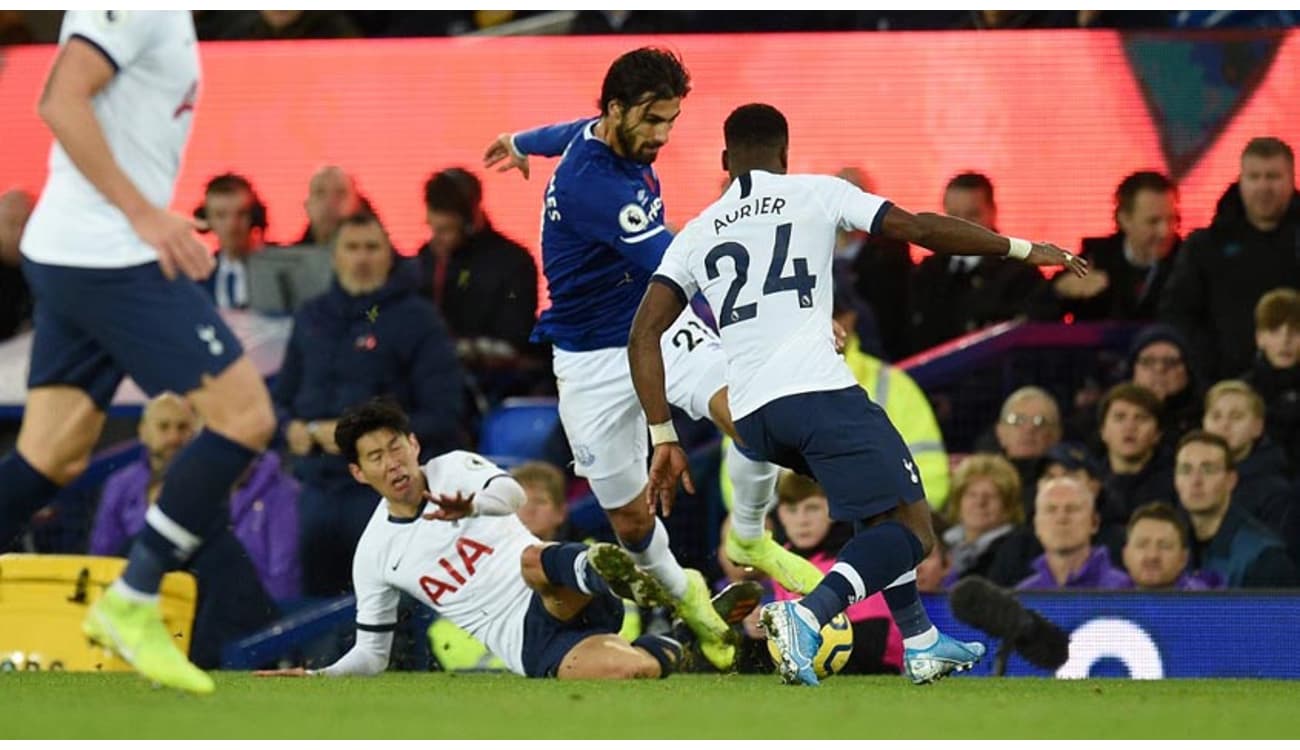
x=837 y=645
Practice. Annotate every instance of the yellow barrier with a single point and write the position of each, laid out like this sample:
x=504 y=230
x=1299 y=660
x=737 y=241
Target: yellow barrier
x=43 y=599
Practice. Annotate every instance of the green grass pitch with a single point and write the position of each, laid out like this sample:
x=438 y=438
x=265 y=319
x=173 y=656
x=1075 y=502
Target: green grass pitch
x=483 y=706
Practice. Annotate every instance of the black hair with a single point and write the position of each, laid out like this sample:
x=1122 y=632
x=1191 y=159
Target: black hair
x=1127 y=192
x=231 y=182
x=971 y=181
x=756 y=126
x=454 y=190
x=378 y=413
x=645 y=74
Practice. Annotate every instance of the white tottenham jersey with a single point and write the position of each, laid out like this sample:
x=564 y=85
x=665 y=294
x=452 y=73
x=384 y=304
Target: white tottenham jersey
x=467 y=571
x=145 y=111
x=762 y=257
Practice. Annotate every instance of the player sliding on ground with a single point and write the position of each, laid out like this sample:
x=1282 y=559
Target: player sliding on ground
x=762 y=256
x=447 y=535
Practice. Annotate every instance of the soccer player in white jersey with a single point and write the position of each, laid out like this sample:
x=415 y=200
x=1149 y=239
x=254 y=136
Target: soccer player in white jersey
x=762 y=256
x=603 y=234
x=113 y=272
x=448 y=535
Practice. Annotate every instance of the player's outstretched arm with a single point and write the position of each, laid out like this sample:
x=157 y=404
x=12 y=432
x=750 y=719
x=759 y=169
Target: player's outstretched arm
x=952 y=236
x=659 y=308
x=80 y=71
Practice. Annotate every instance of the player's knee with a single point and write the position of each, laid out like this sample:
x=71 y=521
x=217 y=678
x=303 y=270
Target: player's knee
x=66 y=470
x=251 y=424
x=530 y=566
x=633 y=522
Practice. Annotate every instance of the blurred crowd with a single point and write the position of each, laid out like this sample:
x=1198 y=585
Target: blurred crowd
x=1175 y=469
x=23 y=27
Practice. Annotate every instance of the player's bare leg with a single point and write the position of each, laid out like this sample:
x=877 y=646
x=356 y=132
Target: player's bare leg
x=238 y=423
x=60 y=427
x=563 y=602
x=608 y=657
x=753 y=485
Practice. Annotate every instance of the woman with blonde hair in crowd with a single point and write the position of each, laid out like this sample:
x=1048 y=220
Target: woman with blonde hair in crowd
x=984 y=507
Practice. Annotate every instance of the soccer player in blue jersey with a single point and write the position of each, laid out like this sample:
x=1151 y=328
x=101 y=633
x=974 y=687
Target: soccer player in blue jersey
x=603 y=234
x=762 y=256
x=114 y=275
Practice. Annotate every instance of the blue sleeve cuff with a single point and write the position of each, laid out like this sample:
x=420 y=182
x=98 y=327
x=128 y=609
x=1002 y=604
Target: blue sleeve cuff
x=880 y=217
x=116 y=68
x=674 y=286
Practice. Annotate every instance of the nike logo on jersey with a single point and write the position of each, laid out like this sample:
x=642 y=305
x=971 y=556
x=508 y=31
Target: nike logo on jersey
x=911 y=472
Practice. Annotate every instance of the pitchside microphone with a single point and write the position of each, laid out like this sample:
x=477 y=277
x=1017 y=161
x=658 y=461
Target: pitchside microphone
x=983 y=605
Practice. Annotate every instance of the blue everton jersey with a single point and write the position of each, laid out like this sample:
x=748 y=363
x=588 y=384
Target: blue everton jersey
x=603 y=234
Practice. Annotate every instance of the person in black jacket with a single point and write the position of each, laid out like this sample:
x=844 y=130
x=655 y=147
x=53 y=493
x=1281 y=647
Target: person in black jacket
x=1252 y=246
x=1129 y=268
x=952 y=295
x=484 y=283
x=1227 y=540
x=1275 y=375
x=1235 y=412
x=369 y=335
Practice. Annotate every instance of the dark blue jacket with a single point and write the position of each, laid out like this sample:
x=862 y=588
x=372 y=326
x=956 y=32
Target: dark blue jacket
x=1246 y=554
x=345 y=350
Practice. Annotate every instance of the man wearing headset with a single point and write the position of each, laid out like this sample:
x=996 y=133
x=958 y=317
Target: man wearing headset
x=237 y=217
x=484 y=283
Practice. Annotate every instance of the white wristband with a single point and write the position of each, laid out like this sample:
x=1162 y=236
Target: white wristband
x=1019 y=248
x=663 y=433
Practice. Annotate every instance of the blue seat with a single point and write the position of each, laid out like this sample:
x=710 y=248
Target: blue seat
x=518 y=429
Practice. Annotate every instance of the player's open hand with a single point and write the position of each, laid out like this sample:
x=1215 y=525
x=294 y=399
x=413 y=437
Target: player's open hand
x=668 y=465
x=449 y=507
x=179 y=250
x=291 y=672
x=502 y=150
x=1047 y=254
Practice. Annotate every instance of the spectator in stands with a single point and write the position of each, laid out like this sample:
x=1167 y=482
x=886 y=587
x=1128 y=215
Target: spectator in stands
x=1134 y=473
x=484 y=283
x=1158 y=549
x=952 y=295
x=263 y=503
x=1029 y=424
x=876 y=269
x=984 y=509
x=905 y=403
x=1127 y=270
x=369 y=335
x=546 y=508
x=1248 y=249
x=1235 y=412
x=1227 y=540
x=804 y=514
x=237 y=217
x=1276 y=372
x=1065 y=518
x=15 y=297
x=331 y=195
x=1158 y=361
x=1015 y=556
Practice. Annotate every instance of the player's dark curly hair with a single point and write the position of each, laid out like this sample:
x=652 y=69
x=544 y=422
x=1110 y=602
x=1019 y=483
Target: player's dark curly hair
x=645 y=74
x=362 y=419
x=755 y=125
